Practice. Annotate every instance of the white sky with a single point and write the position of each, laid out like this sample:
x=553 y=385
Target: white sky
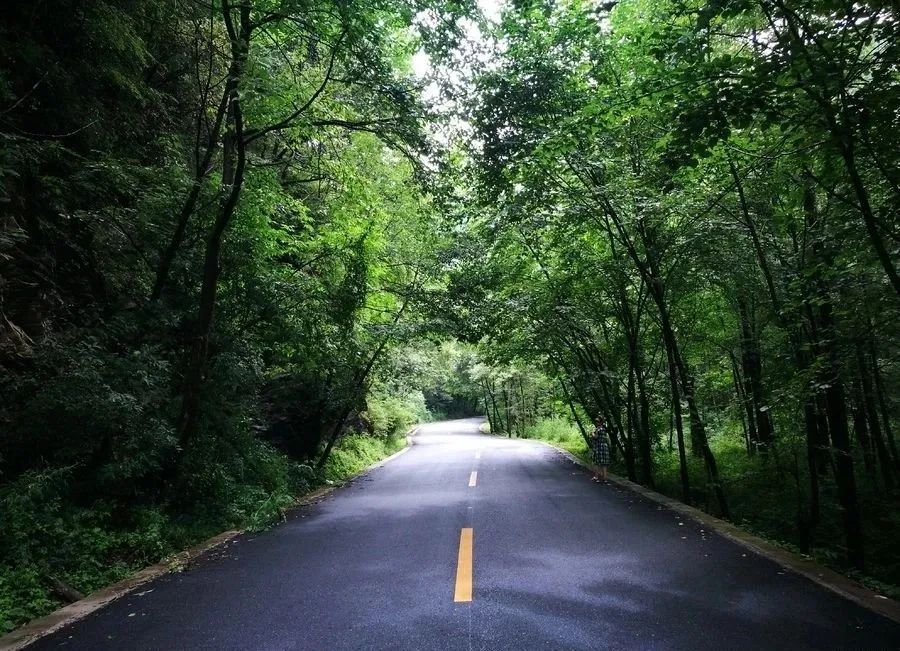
x=421 y=64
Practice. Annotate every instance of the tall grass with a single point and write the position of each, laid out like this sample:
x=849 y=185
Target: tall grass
x=561 y=432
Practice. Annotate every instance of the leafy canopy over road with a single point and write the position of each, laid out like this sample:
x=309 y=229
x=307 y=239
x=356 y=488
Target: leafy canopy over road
x=234 y=235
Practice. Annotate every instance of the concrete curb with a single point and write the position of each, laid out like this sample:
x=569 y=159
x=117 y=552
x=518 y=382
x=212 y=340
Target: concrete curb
x=43 y=626
x=819 y=574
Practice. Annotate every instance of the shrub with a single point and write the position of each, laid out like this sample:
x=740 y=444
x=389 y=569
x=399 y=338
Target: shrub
x=559 y=431
x=391 y=415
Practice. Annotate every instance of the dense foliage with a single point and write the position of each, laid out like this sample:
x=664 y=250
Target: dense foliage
x=240 y=243
x=686 y=214
x=213 y=228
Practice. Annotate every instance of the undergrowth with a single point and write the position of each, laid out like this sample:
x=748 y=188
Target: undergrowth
x=47 y=534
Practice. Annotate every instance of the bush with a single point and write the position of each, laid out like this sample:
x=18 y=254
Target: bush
x=391 y=415
x=356 y=452
x=561 y=432
x=93 y=408
x=43 y=535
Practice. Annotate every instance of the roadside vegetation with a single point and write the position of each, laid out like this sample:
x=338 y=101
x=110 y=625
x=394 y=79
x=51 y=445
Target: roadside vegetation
x=683 y=217
x=243 y=248
x=215 y=233
x=55 y=548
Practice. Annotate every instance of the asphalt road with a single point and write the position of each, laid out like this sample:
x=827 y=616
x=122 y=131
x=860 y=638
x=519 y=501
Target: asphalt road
x=557 y=562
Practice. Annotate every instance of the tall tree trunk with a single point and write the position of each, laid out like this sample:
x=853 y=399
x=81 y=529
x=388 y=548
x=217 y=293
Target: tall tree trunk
x=522 y=409
x=882 y=402
x=823 y=445
x=698 y=432
x=201 y=172
x=762 y=420
x=745 y=409
x=868 y=399
x=492 y=391
x=679 y=426
x=233 y=168
x=638 y=405
x=860 y=429
x=487 y=406
x=836 y=411
x=812 y=456
x=645 y=439
x=505 y=393
x=631 y=426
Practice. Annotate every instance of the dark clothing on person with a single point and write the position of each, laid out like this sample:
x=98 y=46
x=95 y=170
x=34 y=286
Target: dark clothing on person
x=600 y=448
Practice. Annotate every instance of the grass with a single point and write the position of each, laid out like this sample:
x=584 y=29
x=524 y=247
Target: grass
x=561 y=433
x=355 y=453
x=90 y=546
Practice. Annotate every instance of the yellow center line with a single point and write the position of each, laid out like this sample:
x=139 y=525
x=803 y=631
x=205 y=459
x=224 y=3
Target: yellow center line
x=473 y=478
x=463 y=590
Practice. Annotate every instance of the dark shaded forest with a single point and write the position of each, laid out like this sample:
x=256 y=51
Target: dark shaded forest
x=244 y=247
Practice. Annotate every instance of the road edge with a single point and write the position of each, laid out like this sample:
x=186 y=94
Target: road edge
x=34 y=630
x=819 y=574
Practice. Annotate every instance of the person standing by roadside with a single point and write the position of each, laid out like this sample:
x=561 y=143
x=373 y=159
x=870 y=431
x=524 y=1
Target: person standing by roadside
x=599 y=451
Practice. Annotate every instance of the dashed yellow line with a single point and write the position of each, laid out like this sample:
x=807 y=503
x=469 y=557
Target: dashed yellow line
x=463 y=590
x=473 y=478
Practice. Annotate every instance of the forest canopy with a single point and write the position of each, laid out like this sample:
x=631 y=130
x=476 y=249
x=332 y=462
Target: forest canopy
x=243 y=248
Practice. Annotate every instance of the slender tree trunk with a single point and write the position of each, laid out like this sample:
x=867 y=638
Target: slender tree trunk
x=505 y=393
x=836 y=411
x=762 y=421
x=335 y=435
x=824 y=445
x=646 y=433
x=522 y=409
x=698 y=432
x=491 y=389
x=574 y=412
x=860 y=429
x=882 y=403
x=745 y=409
x=487 y=406
x=868 y=399
x=201 y=172
x=631 y=426
x=812 y=455
x=637 y=398
x=679 y=427
x=234 y=164
x=761 y=258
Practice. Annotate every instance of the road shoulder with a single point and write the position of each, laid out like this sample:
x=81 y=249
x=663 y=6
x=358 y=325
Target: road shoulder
x=819 y=574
